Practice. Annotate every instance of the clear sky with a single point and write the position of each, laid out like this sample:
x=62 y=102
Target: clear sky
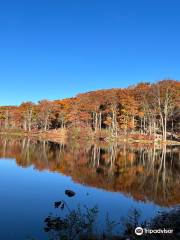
x=57 y=48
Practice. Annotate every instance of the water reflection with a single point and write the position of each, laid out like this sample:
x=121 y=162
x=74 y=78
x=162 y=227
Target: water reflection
x=146 y=173
x=80 y=224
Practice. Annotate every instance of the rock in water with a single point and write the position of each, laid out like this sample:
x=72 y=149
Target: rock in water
x=70 y=193
x=57 y=204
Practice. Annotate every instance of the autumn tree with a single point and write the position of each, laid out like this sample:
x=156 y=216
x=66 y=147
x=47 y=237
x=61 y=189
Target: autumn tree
x=128 y=110
x=164 y=95
x=147 y=109
x=44 y=114
x=27 y=110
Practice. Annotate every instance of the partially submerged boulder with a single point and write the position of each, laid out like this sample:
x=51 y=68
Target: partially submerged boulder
x=70 y=193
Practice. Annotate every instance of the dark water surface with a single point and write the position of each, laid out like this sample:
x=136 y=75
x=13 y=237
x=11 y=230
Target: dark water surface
x=117 y=178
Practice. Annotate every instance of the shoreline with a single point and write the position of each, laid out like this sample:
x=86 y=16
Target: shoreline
x=60 y=136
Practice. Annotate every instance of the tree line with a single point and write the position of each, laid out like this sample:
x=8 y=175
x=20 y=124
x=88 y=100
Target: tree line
x=143 y=109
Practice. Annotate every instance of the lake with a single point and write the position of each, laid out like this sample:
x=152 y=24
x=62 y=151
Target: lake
x=116 y=178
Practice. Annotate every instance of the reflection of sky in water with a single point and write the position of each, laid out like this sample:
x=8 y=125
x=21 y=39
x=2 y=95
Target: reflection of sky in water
x=27 y=197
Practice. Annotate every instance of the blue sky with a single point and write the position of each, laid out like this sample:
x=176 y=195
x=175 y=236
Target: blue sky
x=57 y=48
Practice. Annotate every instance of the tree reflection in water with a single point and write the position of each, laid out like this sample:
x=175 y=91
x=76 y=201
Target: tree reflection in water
x=144 y=172
x=80 y=224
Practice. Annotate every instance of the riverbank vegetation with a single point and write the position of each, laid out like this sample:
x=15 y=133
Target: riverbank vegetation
x=149 y=112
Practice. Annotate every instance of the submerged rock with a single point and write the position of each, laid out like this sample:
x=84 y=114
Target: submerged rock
x=57 y=204
x=70 y=193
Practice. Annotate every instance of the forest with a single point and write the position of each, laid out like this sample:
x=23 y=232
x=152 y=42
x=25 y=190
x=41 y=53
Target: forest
x=143 y=111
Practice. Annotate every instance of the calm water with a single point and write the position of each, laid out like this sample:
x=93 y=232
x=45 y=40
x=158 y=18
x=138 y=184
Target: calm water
x=118 y=178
